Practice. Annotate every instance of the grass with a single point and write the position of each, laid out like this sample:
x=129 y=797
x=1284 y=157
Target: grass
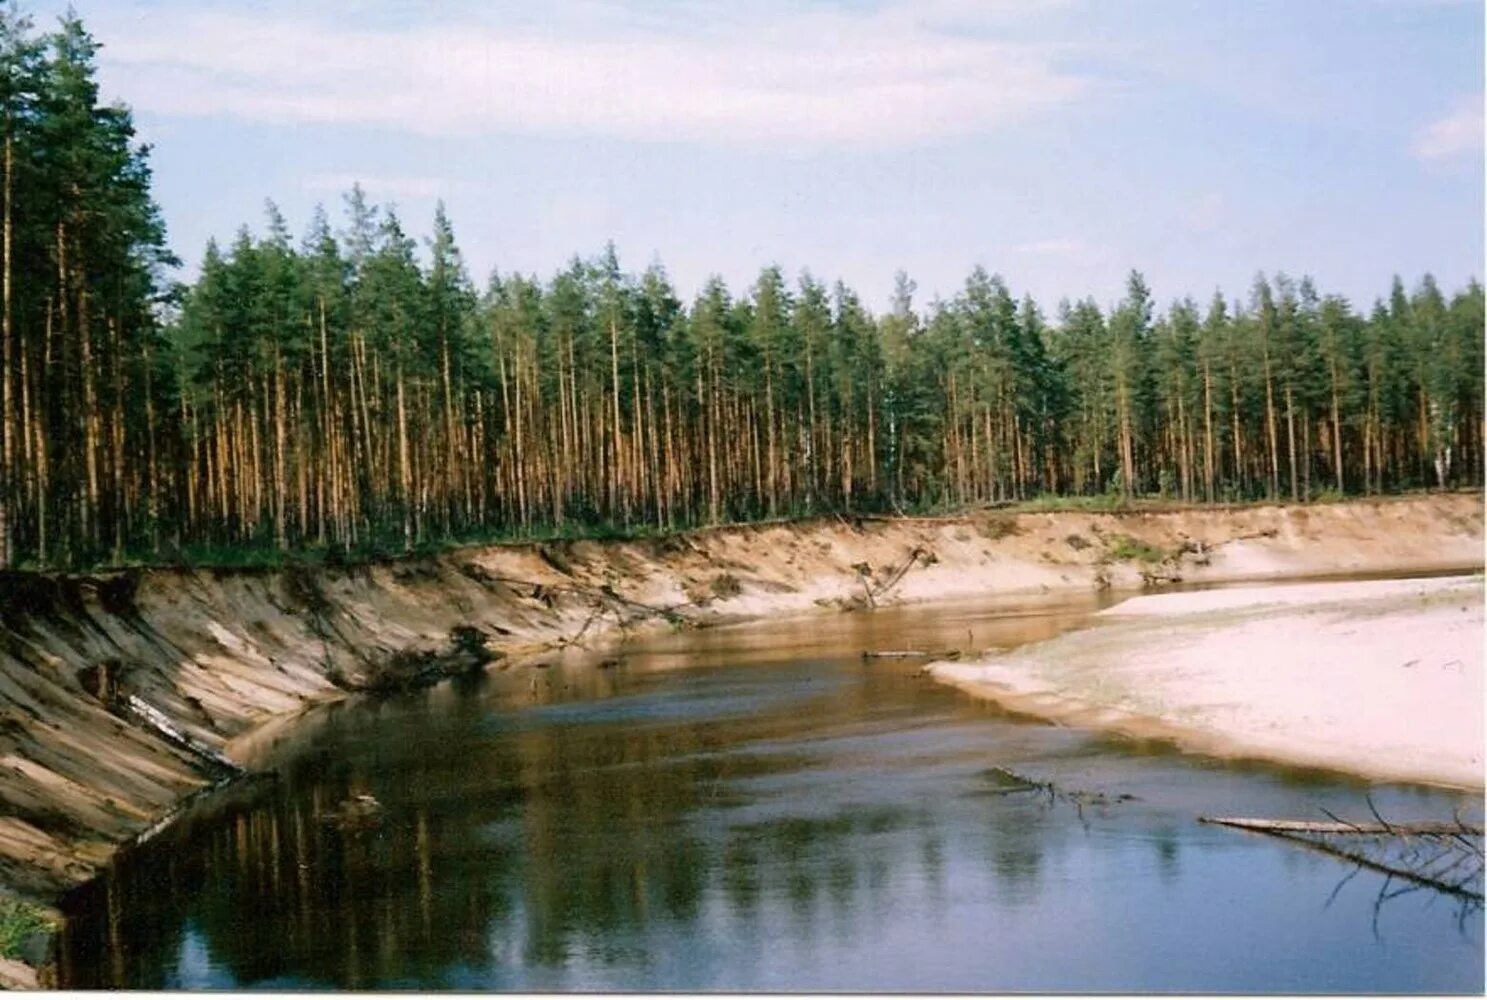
x=1124 y=548
x=18 y=921
x=1045 y=503
x=259 y=553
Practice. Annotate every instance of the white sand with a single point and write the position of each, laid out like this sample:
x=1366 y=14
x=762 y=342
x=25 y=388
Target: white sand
x=1379 y=678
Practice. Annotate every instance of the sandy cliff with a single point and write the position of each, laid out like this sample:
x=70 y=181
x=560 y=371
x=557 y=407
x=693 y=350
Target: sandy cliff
x=96 y=672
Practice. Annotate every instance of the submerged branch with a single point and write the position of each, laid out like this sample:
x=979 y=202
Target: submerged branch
x=1454 y=864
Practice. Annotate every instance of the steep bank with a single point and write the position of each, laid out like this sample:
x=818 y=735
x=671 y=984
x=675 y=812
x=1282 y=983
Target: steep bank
x=1381 y=678
x=217 y=654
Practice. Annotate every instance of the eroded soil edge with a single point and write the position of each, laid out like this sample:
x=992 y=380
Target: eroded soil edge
x=120 y=694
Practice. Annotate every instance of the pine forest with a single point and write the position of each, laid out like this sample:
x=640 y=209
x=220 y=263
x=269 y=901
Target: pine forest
x=353 y=391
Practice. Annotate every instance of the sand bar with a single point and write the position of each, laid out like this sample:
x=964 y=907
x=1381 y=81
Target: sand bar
x=1378 y=678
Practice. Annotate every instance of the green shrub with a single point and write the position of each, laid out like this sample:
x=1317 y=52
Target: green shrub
x=18 y=921
x=1124 y=547
x=1052 y=502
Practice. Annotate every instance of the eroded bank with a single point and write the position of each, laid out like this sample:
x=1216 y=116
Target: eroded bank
x=217 y=655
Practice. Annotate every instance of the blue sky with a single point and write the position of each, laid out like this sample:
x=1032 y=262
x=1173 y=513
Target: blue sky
x=1058 y=142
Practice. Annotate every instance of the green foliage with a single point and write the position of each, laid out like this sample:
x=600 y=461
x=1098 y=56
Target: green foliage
x=354 y=397
x=19 y=920
x=1124 y=548
x=1051 y=502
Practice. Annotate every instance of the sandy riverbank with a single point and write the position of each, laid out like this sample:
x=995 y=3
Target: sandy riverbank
x=1379 y=678
x=220 y=654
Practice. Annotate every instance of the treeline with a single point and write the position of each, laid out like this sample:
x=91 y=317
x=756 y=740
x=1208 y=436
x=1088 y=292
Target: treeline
x=85 y=364
x=346 y=391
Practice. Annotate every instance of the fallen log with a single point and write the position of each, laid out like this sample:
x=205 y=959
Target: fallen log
x=914 y=557
x=152 y=717
x=1307 y=826
x=909 y=654
x=1447 y=857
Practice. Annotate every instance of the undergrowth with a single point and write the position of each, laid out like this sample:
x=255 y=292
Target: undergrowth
x=18 y=921
x=1124 y=548
x=259 y=552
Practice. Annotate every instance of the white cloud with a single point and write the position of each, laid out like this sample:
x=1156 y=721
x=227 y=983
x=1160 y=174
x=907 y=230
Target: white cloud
x=1459 y=132
x=1057 y=247
x=1063 y=250
x=894 y=75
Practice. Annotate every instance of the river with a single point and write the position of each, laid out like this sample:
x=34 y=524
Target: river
x=760 y=808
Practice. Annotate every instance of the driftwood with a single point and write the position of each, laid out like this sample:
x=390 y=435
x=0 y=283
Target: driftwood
x=1005 y=781
x=577 y=638
x=1445 y=856
x=909 y=654
x=142 y=711
x=898 y=574
x=1280 y=826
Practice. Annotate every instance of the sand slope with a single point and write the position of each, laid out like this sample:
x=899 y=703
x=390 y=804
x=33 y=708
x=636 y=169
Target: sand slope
x=222 y=654
x=1379 y=678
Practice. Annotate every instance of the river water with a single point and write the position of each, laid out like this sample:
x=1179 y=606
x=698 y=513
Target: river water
x=761 y=808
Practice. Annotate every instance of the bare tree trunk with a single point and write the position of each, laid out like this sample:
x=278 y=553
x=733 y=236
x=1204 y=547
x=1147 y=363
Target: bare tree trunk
x=712 y=441
x=769 y=417
x=1337 y=431
x=1270 y=430
x=91 y=429
x=405 y=473
x=7 y=368
x=1127 y=449
x=1207 y=433
x=281 y=537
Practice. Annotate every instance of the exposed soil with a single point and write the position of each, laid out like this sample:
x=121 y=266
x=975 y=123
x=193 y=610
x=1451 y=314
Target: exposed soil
x=95 y=671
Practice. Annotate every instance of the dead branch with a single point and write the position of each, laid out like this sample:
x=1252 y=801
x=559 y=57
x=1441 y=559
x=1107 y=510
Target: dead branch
x=1340 y=826
x=1454 y=864
x=910 y=654
x=898 y=574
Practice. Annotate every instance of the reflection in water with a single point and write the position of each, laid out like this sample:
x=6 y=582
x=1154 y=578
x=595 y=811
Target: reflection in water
x=752 y=809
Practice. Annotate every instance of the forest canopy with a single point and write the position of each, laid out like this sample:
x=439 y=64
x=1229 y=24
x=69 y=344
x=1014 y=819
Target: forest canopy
x=348 y=392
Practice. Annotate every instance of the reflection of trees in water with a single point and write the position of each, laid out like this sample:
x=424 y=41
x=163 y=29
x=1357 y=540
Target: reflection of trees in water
x=932 y=863
x=275 y=891
x=1166 y=845
x=742 y=881
x=574 y=855
x=548 y=839
x=515 y=839
x=836 y=864
x=1016 y=836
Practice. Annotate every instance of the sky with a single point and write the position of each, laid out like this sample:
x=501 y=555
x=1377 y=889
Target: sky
x=1060 y=143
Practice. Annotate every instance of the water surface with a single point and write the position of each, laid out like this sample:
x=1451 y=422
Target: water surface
x=760 y=808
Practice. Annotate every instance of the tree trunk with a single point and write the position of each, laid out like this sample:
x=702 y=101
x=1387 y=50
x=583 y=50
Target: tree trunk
x=1291 y=440
x=7 y=366
x=1207 y=433
x=1337 y=430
